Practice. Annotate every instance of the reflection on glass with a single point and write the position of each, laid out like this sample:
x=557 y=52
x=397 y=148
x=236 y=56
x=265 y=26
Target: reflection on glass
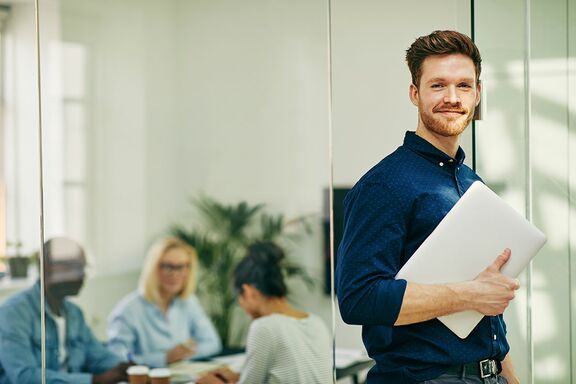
x=193 y=100
x=372 y=110
x=19 y=188
x=502 y=147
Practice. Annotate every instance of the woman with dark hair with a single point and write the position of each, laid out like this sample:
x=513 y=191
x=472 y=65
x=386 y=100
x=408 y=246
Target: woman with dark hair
x=284 y=345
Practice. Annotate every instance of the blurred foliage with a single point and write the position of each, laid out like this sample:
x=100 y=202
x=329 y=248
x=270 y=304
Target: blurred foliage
x=221 y=240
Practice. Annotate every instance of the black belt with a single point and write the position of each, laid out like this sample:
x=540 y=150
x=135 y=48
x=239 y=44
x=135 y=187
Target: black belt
x=482 y=369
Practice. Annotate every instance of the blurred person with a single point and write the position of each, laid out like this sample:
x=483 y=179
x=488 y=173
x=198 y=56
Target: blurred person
x=284 y=345
x=73 y=354
x=162 y=322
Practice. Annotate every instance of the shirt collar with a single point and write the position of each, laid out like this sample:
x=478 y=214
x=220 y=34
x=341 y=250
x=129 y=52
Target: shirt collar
x=427 y=150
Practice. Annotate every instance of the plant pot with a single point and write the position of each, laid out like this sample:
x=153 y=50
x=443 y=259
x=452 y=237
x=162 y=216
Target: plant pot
x=18 y=266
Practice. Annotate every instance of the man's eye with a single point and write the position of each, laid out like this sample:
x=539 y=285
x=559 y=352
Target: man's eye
x=465 y=85
x=437 y=85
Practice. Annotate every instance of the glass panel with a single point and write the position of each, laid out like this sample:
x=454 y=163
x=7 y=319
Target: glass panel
x=164 y=118
x=501 y=137
x=571 y=12
x=550 y=169
x=548 y=164
x=19 y=193
x=371 y=107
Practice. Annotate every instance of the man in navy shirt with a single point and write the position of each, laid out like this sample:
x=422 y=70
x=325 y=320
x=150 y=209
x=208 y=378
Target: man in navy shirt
x=392 y=210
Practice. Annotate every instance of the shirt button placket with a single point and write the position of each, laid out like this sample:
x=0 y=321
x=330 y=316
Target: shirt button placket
x=457 y=180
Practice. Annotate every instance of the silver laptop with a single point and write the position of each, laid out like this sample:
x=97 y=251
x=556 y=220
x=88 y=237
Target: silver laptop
x=467 y=240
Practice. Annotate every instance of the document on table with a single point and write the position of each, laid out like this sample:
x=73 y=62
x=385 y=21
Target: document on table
x=188 y=371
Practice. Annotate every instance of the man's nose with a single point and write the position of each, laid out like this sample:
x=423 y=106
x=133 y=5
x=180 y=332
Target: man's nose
x=451 y=96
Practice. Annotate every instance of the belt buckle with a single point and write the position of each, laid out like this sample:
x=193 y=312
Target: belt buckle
x=487 y=368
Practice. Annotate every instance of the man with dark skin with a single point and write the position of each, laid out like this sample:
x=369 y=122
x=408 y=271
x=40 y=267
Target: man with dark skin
x=73 y=354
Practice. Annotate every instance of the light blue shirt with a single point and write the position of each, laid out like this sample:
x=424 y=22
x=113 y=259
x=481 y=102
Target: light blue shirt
x=20 y=340
x=138 y=329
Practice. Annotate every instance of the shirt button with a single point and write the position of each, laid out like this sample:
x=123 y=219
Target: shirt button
x=441 y=164
x=451 y=160
x=494 y=337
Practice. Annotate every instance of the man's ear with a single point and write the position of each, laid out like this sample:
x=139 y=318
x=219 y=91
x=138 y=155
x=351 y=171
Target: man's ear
x=478 y=92
x=414 y=95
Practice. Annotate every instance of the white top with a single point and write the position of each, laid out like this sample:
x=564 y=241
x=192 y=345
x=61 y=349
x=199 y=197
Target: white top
x=286 y=350
x=61 y=325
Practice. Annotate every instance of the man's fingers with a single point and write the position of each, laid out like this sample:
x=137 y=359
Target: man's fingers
x=501 y=259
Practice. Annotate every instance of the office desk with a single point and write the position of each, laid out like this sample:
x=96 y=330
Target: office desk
x=353 y=370
x=347 y=365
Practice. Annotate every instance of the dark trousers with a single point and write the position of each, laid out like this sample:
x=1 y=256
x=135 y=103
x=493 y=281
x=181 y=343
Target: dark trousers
x=465 y=379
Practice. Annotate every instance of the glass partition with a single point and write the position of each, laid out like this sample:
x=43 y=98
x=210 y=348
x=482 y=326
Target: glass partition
x=502 y=156
x=205 y=121
x=525 y=148
x=20 y=210
x=371 y=105
x=523 y=143
x=208 y=120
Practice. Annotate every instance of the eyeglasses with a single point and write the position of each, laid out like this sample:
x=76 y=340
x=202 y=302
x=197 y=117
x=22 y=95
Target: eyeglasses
x=169 y=267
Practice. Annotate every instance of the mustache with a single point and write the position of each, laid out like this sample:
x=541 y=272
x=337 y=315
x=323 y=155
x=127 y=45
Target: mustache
x=460 y=110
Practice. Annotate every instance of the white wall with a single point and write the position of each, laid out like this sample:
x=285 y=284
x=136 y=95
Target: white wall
x=20 y=122
x=371 y=79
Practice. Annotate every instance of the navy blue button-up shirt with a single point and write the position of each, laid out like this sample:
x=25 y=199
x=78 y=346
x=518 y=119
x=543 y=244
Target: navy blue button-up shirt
x=388 y=214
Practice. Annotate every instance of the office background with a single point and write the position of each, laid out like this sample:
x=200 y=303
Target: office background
x=147 y=104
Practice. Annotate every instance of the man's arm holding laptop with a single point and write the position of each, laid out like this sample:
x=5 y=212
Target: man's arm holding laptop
x=489 y=293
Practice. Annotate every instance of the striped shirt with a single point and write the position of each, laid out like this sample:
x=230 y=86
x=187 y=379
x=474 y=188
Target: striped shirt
x=286 y=350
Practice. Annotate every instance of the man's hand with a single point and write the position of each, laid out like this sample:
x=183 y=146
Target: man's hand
x=114 y=375
x=180 y=352
x=491 y=291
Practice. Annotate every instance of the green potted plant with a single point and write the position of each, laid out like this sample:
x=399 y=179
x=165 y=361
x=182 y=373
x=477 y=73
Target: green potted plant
x=17 y=262
x=221 y=241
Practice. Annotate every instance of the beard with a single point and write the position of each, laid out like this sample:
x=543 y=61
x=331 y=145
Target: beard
x=446 y=126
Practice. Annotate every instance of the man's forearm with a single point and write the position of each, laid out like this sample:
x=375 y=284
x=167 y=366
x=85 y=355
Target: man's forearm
x=424 y=302
x=489 y=293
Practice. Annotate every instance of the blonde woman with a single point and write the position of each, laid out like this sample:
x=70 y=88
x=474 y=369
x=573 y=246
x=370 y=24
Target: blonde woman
x=163 y=322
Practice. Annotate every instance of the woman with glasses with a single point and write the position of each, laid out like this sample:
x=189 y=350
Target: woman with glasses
x=163 y=322
x=284 y=345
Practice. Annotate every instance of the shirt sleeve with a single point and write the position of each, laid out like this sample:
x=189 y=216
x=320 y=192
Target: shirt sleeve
x=122 y=340
x=202 y=330
x=98 y=358
x=259 y=354
x=375 y=226
x=17 y=352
